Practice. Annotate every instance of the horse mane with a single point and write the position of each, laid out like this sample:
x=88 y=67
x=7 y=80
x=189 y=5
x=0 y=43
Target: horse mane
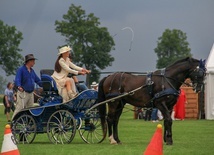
x=190 y=59
x=179 y=61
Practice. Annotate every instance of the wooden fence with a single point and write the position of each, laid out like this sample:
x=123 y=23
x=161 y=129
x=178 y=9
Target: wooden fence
x=191 y=108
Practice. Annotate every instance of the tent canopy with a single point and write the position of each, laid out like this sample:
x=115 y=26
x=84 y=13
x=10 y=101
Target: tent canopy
x=209 y=86
x=210 y=61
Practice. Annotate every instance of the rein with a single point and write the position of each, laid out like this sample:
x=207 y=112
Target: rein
x=166 y=77
x=115 y=98
x=37 y=95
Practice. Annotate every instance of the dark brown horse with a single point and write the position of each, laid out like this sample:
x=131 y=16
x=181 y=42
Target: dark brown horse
x=157 y=89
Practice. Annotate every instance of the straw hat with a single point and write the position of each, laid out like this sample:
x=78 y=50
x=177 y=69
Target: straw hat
x=64 y=49
x=94 y=84
x=29 y=57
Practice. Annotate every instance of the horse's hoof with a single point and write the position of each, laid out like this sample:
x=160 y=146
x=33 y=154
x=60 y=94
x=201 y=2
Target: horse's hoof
x=169 y=143
x=112 y=141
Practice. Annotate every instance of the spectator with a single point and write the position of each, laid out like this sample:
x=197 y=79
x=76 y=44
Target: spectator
x=8 y=100
x=154 y=116
x=148 y=113
x=160 y=116
x=179 y=107
x=94 y=86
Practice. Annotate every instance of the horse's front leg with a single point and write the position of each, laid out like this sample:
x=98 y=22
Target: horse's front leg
x=168 y=131
x=167 y=123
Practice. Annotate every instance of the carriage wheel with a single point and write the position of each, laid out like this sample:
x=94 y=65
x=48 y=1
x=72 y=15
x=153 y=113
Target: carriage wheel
x=61 y=127
x=91 y=129
x=24 y=129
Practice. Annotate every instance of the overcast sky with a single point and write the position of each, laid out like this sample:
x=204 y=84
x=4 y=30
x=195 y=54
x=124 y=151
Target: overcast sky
x=147 y=18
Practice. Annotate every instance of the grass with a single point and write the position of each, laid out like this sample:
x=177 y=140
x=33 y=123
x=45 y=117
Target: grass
x=191 y=137
x=1 y=98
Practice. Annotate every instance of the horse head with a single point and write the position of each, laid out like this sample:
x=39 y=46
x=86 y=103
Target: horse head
x=197 y=76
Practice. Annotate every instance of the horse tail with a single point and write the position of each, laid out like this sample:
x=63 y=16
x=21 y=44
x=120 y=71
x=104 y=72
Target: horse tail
x=102 y=107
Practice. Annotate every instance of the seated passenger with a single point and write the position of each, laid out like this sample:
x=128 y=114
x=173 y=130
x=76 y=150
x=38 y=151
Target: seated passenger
x=64 y=66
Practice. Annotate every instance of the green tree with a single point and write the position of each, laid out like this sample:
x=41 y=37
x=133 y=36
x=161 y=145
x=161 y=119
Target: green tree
x=91 y=44
x=3 y=84
x=172 y=46
x=10 y=57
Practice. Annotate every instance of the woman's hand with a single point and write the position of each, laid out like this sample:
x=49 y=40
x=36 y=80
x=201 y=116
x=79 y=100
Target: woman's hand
x=81 y=73
x=86 y=71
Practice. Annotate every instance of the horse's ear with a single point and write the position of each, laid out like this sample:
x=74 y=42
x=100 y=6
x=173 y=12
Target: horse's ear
x=202 y=64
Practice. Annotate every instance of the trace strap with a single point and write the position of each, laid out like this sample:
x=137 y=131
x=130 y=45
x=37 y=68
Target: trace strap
x=114 y=98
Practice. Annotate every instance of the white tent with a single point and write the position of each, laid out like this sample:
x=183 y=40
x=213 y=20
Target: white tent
x=209 y=86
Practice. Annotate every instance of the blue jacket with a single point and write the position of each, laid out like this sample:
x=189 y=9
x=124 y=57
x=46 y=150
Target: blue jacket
x=26 y=79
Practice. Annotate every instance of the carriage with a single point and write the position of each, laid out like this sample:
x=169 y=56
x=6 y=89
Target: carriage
x=87 y=113
x=59 y=120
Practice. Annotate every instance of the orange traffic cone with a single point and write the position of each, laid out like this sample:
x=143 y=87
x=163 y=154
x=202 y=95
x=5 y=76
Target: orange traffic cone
x=9 y=147
x=155 y=146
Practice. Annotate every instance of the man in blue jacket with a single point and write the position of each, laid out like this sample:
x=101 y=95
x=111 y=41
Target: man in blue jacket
x=25 y=82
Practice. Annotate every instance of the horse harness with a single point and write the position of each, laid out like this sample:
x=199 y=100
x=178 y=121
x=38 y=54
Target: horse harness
x=164 y=92
x=196 y=74
x=149 y=85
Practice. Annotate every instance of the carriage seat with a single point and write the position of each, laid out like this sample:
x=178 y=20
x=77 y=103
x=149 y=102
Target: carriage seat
x=46 y=71
x=50 y=91
x=48 y=84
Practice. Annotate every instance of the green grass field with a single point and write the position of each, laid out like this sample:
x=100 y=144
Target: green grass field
x=191 y=137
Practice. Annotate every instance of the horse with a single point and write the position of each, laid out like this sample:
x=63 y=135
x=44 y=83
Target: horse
x=159 y=89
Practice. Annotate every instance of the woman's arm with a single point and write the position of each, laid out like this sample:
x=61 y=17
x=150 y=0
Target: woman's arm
x=66 y=67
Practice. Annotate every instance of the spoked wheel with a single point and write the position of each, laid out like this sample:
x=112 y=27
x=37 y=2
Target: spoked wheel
x=91 y=130
x=24 y=129
x=61 y=127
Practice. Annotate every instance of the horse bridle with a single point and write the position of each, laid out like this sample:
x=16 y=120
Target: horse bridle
x=197 y=76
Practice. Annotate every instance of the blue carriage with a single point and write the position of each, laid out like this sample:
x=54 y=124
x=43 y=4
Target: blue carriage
x=60 y=120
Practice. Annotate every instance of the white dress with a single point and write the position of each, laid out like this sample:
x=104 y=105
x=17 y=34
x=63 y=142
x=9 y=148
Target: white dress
x=66 y=67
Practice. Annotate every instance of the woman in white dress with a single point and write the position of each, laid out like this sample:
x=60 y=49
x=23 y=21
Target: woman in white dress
x=64 y=66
